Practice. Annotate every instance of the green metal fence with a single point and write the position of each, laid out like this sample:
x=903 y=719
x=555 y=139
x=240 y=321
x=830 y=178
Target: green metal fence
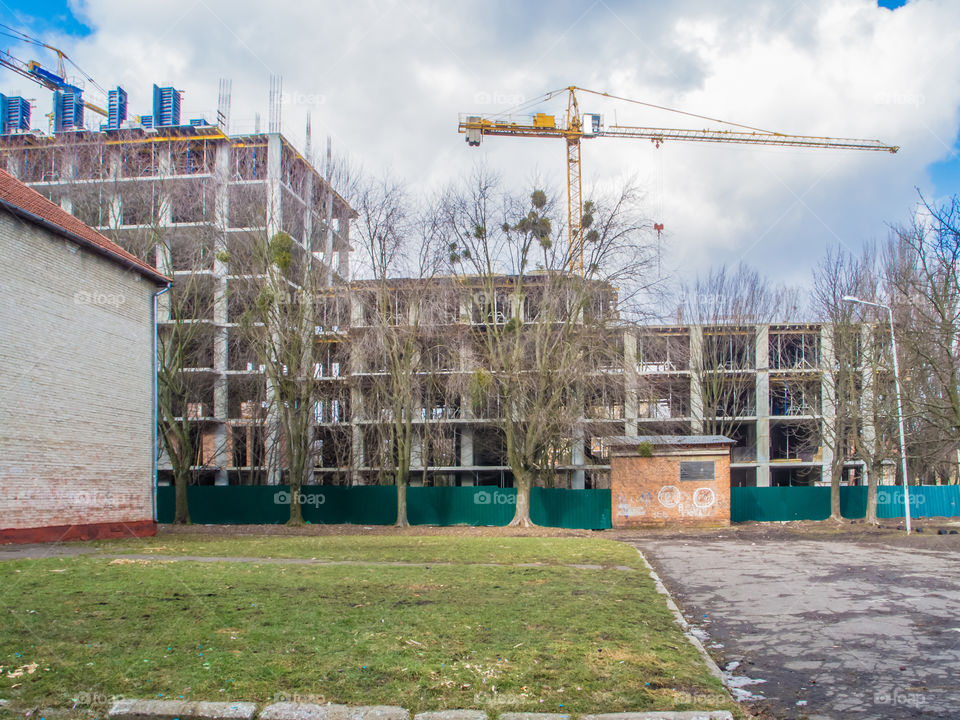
x=770 y=504
x=586 y=509
x=377 y=505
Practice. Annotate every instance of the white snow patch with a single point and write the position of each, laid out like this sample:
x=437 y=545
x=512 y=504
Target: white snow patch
x=737 y=683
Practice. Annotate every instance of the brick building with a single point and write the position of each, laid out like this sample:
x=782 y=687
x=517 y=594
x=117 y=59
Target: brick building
x=77 y=330
x=670 y=480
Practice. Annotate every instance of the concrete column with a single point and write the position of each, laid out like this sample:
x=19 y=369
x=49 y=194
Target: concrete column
x=416 y=452
x=221 y=401
x=467 y=458
x=762 y=389
x=827 y=406
x=328 y=219
x=273 y=189
x=344 y=253
x=273 y=225
x=69 y=172
x=696 y=391
x=466 y=453
x=577 y=481
x=630 y=383
x=356 y=402
x=308 y=215
x=165 y=166
x=112 y=199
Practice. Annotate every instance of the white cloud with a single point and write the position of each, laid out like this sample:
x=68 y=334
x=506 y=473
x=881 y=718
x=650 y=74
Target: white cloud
x=388 y=79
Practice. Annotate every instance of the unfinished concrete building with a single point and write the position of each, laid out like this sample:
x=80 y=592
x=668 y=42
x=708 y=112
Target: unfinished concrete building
x=760 y=385
x=459 y=438
x=187 y=197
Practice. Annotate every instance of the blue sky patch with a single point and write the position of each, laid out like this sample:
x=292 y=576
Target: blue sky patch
x=40 y=17
x=945 y=174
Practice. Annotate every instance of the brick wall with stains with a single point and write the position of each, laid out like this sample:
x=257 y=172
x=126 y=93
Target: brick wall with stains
x=75 y=386
x=649 y=491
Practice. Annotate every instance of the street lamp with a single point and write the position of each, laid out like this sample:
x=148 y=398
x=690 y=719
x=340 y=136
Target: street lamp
x=896 y=375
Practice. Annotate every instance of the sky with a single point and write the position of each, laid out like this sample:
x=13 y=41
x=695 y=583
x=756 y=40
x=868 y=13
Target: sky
x=386 y=81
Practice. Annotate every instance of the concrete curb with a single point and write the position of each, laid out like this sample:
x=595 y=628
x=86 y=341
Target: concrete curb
x=685 y=626
x=452 y=715
x=308 y=711
x=664 y=715
x=187 y=710
x=181 y=710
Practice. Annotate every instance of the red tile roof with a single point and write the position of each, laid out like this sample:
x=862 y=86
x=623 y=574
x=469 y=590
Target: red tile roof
x=34 y=206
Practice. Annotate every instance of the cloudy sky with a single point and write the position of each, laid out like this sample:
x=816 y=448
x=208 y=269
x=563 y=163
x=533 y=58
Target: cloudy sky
x=386 y=81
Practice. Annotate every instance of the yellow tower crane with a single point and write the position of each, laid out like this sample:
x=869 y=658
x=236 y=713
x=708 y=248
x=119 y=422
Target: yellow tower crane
x=575 y=127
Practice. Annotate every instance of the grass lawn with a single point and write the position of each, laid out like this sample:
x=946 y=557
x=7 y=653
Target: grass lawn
x=466 y=635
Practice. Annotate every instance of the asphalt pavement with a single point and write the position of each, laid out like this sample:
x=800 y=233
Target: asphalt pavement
x=833 y=628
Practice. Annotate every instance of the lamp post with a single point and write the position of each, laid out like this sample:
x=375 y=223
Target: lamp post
x=896 y=376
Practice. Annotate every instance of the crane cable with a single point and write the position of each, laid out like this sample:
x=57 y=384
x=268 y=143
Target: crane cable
x=22 y=36
x=679 y=112
x=553 y=93
x=535 y=101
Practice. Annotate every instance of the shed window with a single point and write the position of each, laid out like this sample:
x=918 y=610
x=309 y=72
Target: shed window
x=696 y=470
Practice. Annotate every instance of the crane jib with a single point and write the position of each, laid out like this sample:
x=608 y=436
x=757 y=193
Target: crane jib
x=576 y=127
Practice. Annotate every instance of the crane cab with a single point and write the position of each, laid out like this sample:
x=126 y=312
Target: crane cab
x=591 y=124
x=474 y=133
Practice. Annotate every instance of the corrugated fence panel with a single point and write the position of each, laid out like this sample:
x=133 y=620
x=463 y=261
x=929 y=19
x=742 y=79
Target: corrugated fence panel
x=773 y=504
x=361 y=505
x=210 y=506
x=377 y=505
x=460 y=505
x=925 y=501
x=853 y=502
x=574 y=509
x=778 y=504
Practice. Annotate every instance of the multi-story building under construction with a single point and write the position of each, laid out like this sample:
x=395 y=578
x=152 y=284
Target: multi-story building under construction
x=190 y=197
x=186 y=196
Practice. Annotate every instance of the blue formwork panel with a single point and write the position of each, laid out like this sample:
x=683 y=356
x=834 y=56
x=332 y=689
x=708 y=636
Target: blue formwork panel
x=166 y=107
x=116 y=108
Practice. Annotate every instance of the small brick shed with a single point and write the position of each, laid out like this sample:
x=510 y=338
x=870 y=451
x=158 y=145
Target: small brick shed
x=669 y=479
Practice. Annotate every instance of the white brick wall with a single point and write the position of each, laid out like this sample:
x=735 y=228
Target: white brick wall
x=75 y=383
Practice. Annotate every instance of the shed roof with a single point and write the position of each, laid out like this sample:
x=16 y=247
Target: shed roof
x=34 y=207
x=678 y=440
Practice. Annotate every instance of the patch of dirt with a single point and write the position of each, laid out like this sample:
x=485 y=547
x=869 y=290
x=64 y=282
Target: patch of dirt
x=416 y=530
x=889 y=532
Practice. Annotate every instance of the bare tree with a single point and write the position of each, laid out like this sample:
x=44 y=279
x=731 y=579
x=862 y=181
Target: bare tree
x=922 y=270
x=858 y=423
x=279 y=320
x=537 y=326
x=725 y=308
x=401 y=305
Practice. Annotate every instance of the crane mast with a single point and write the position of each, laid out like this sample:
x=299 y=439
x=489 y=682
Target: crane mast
x=577 y=127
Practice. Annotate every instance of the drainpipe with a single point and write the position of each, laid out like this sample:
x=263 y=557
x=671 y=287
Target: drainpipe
x=155 y=402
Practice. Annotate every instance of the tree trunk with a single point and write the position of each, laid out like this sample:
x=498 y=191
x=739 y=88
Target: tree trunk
x=402 y=503
x=871 y=516
x=835 y=477
x=296 y=511
x=521 y=517
x=181 y=515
